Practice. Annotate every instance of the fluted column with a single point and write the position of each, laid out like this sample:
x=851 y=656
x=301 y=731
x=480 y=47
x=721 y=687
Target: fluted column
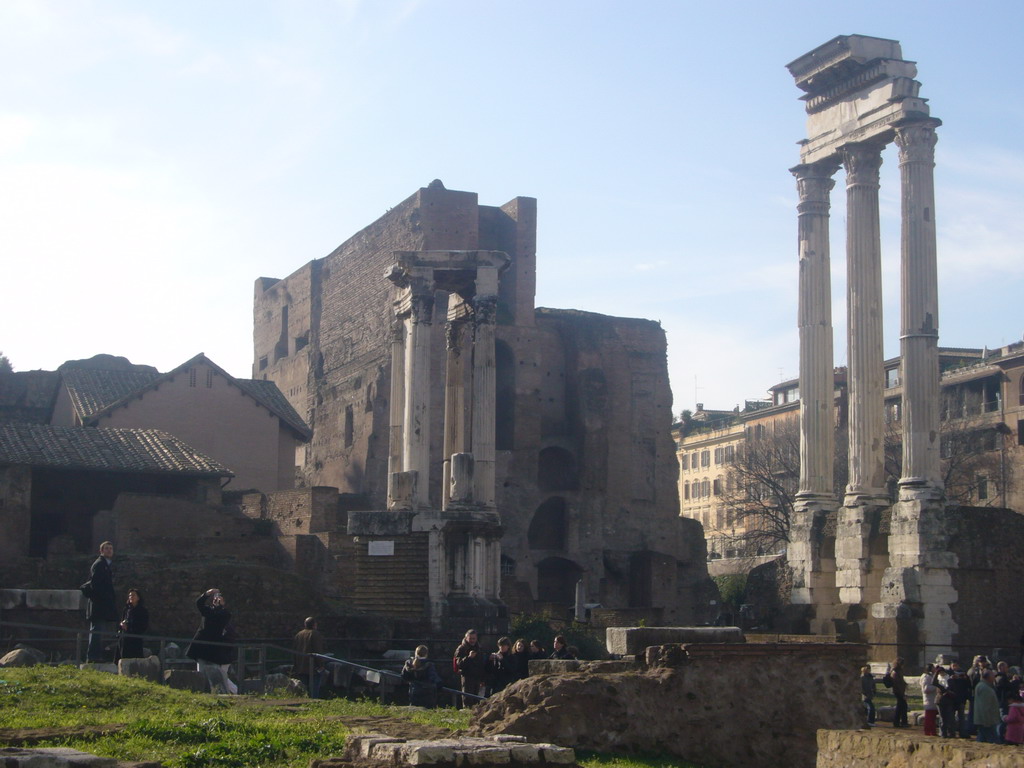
x=817 y=416
x=454 y=400
x=484 y=385
x=919 y=336
x=864 y=328
x=397 y=407
x=416 y=418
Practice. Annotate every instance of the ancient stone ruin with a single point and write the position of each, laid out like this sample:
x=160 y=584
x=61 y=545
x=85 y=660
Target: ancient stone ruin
x=906 y=576
x=473 y=453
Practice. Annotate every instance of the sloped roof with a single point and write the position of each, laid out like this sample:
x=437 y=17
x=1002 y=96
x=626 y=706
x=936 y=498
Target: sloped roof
x=94 y=390
x=268 y=393
x=112 y=450
x=28 y=396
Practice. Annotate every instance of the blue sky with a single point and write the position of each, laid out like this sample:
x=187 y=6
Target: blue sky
x=156 y=158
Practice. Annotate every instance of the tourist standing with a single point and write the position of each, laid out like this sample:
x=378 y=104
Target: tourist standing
x=423 y=679
x=867 y=693
x=134 y=622
x=1014 y=721
x=899 y=690
x=208 y=648
x=471 y=664
x=309 y=667
x=102 y=609
x=960 y=686
x=930 y=697
x=500 y=669
x=561 y=651
x=520 y=659
x=986 y=708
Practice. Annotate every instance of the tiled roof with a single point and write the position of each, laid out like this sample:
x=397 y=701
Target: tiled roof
x=268 y=393
x=28 y=396
x=93 y=390
x=112 y=450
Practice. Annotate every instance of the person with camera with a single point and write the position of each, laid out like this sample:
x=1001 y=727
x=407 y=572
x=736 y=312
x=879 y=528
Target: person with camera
x=102 y=611
x=471 y=663
x=209 y=648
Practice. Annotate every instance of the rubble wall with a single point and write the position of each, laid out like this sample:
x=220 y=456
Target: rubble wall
x=755 y=705
x=889 y=749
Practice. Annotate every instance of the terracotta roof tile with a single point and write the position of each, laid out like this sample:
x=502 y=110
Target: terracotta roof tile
x=112 y=450
x=93 y=390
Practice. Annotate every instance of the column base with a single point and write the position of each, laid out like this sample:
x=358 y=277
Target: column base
x=815 y=502
x=875 y=499
x=920 y=489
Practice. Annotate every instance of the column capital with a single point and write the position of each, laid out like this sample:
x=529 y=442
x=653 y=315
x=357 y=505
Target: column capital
x=421 y=306
x=813 y=183
x=916 y=141
x=485 y=310
x=862 y=162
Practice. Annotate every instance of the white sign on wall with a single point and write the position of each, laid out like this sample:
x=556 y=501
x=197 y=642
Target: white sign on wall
x=381 y=549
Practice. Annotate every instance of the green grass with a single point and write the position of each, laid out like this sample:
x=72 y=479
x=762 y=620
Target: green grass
x=186 y=730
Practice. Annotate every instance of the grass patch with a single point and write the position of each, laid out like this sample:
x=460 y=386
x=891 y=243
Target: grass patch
x=186 y=730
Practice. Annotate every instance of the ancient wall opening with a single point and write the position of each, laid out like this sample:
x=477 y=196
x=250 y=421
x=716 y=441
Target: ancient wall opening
x=556 y=580
x=549 y=525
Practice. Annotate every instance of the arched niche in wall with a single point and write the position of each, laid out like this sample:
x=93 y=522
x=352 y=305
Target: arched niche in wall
x=556 y=470
x=556 y=580
x=505 y=397
x=549 y=525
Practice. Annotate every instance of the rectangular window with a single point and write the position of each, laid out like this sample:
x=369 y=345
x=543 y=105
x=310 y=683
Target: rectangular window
x=730 y=454
x=716 y=488
x=349 y=426
x=705 y=458
x=892 y=377
x=982 y=488
x=191 y=377
x=263 y=363
x=209 y=378
x=718 y=455
x=686 y=491
x=684 y=462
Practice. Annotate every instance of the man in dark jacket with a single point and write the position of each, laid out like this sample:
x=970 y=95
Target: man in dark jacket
x=308 y=667
x=102 y=609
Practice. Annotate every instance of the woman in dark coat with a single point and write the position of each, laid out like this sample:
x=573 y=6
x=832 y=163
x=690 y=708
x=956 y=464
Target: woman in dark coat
x=134 y=622
x=214 y=629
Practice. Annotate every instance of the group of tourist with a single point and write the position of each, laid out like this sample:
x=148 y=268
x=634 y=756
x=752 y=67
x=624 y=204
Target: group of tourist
x=483 y=674
x=210 y=648
x=981 y=701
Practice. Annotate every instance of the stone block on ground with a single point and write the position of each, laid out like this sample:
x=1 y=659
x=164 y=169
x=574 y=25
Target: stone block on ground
x=885 y=714
x=53 y=599
x=457 y=752
x=632 y=641
x=148 y=668
x=289 y=685
x=52 y=757
x=19 y=657
x=187 y=680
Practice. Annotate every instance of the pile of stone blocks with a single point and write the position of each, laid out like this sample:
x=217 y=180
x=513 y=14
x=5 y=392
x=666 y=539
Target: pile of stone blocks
x=380 y=750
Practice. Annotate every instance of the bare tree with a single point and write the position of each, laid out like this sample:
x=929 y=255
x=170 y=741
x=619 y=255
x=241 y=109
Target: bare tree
x=761 y=483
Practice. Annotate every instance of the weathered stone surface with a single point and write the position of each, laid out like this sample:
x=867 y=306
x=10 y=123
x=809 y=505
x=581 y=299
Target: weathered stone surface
x=705 y=703
x=52 y=757
x=898 y=749
x=631 y=641
x=54 y=599
x=148 y=668
x=11 y=598
x=187 y=680
x=455 y=752
x=100 y=666
x=290 y=685
x=22 y=656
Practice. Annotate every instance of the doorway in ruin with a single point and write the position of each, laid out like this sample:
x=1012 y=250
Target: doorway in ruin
x=556 y=581
x=549 y=525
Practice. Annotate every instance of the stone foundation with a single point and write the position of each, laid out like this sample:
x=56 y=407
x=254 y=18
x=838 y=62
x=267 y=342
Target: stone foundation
x=889 y=749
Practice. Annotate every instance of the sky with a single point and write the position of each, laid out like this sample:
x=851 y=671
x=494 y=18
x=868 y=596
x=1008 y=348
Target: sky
x=157 y=158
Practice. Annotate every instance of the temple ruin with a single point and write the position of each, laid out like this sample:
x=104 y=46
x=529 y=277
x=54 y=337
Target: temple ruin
x=900 y=573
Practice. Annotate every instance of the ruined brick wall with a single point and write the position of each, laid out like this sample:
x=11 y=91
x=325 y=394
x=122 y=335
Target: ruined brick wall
x=584 y=458
x=161 y=525
x=15 y=510
x=989 y=547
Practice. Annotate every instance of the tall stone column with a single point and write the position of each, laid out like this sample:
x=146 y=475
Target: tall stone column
x=864 y=328
x=397 y=408
x=454 y=400
x=416 y=417
x=817 y=382
x=815 y=497
x=919 y=336
x=484 y=385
